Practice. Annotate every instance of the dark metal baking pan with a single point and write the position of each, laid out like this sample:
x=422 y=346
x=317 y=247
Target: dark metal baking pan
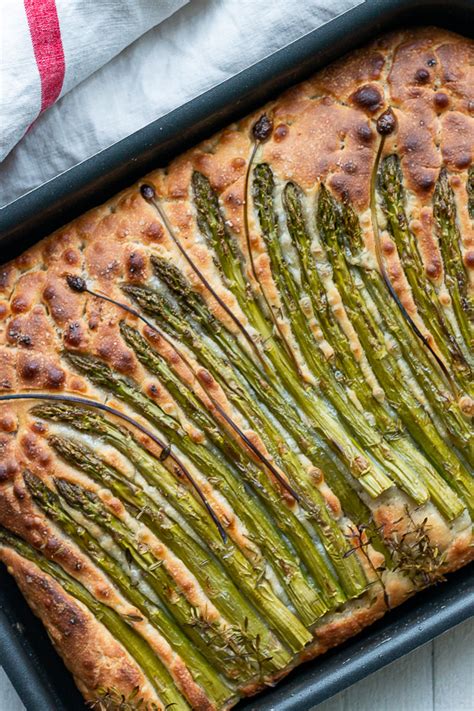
x=25 y=651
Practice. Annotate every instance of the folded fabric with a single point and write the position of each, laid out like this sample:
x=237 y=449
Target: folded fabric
x=49 y=46
x=198 y=47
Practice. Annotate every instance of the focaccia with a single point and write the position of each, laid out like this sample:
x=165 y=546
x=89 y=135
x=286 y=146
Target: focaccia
x=236 y=400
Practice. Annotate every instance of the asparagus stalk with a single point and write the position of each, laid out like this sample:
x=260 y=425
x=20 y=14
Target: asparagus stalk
x=348 y=569
x=391 y=189
x=470 y=192
x=230 y=259
x=248 y=579
x=120 y=629
x=197 y=663
x=148 y=193
x=305 y=599
x=444 y=212
x=387 y=456
x=224 y=638
x=214 y=581
x=420 y=364
x=369 y=476
x=383 y=362
x=345 y=364
x=266 y=391
x=237 y=458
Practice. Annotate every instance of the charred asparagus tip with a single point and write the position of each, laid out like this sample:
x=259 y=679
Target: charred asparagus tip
x=262 y=128
x=386 y=122
x=76 y=283
x=147 y=191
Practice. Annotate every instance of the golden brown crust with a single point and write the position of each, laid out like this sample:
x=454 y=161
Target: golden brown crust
x=324 y=131
x=88 y=650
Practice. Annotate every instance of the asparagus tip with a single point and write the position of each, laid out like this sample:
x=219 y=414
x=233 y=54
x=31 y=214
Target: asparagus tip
x=262 y=128
x=76 y=283
x=147 y=191
x=386 y=122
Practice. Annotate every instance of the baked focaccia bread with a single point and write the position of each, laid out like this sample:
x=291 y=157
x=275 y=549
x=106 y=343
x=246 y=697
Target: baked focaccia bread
x=236 y=400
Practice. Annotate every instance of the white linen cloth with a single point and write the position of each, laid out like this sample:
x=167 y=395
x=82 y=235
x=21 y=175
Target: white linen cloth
x=199 y=46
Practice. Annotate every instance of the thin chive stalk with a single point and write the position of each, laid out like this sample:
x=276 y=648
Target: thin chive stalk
x=261 y=529
x=390 y=187
x=375 y=482
x=383 y=362
x=248 y=579
x=73 y=399
x=455 y=276
x=197 y=663
x=286 y=518
x=345 y=365
x=290 y=294
x=139 y=650
x=148 y=194
x=218 y=639
x=327 y=528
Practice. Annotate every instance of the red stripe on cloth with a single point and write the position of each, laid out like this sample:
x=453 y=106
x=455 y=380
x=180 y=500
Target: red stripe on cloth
x=45 y=33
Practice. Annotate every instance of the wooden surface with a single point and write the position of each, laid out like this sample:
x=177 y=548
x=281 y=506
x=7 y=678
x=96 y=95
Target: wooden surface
x=437 y=677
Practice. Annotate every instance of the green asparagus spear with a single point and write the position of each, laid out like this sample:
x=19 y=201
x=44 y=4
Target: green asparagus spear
x=444 y=212
x=346 y=369
x=220 y=590
x=332 y=537
x=425 y=295
x=320 y=415
x=388 y=455
x=305 y=599
x=229 y=640
x=285 y=516
x=470 y=191
x=197 y=663
x=249 y=580
x=121 y=630
x=265 y=389
x=383 y=362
